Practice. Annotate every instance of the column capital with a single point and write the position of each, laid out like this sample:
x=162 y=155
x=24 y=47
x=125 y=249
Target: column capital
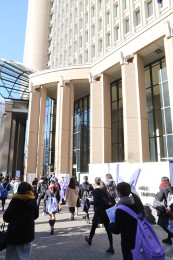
x=34 y=88
x=125 y=59
x=62 y=82
x=94 y=78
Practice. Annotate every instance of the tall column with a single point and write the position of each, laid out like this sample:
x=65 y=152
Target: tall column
x=10 y=167
x=168 y=42
x=32 y=133
x=136 y=139
x=40 y=149
x=7 y=136
x=64 y=128
x=100 y=125
x=37 y=32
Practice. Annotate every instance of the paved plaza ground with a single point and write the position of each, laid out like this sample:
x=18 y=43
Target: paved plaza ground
x=68 y=242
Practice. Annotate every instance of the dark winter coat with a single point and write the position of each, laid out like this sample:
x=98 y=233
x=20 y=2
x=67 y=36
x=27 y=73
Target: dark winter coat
x=20 y=214
x=125 y=225
x=100 y=215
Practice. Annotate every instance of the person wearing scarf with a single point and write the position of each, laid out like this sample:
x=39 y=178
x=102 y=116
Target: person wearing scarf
x=124 y=223
x=161 y=196
x=20 y=216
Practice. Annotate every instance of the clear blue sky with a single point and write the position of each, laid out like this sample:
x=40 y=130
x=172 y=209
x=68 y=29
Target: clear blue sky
x=13 y=16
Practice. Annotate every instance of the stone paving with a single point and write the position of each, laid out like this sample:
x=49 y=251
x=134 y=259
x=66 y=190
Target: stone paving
x=68 y=242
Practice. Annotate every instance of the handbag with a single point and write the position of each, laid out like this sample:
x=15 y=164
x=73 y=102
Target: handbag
x=160 y=207
x=3 y=237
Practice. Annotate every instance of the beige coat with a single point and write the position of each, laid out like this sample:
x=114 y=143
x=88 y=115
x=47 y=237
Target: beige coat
x=71 y=196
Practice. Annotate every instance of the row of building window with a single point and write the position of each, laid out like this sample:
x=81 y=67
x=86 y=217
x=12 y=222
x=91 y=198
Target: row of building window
x=83 y=31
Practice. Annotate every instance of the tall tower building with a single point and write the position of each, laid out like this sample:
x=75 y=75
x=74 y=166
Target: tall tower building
x=106 y=67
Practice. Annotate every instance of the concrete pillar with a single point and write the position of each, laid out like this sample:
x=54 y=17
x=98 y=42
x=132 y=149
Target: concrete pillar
x=10 y=165
x=6 y=140
x=64 y=128
x=32 y=133
x=37 y=32
x=136 y=138
x=100 y=120
x=168 y=42
x=40 y=148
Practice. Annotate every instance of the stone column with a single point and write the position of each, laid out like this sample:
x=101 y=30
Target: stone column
x=32 y=133
x=40 y=149
x=168 y=42
x=13 y=130
x=7 y=135
x=136 y=138
x=100 y=124
x=64 y=128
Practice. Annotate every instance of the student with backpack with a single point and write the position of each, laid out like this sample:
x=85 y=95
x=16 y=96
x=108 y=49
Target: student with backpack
x=53 y=197
x=100 y=216
x=4 y=188
x=85 y=192
x=138 y=239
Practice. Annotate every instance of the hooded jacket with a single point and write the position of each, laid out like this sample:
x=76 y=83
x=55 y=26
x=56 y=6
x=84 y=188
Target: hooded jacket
x=20 y=214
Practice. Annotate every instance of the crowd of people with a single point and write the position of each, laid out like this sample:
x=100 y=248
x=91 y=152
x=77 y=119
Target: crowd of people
x=24 y=209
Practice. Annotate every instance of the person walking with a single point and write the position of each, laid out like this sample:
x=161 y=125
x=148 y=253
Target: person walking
x=16 y=184
x=63 y=185
x=20 y=216
x=85 y=192
x=100 y=216
x=164 y=216
x=111 y=186
x=42 y=186
x=4 y=188
x=124 y=223
x=52 y=196
x=71 y=196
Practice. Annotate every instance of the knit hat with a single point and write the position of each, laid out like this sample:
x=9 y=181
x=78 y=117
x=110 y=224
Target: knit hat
x=164 y=179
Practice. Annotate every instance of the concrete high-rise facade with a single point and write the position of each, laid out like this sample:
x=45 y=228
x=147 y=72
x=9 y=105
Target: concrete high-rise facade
x=108 y=67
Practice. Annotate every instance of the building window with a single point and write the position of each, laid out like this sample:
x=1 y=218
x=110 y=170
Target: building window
x=116 y=11
x=108 y=40
x=125 y=4
x=116 y=33
x=99 y=5
x=100 y=45
x=99 y=25
x=49 y=137
x=107 y=18
x=126 y=25
x=149 y=8
x=137 y=17
x=117 y=122
x=81 y=132
x=159 y=112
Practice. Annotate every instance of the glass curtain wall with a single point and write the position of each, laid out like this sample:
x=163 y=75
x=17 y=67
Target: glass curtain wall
x=159 y=113
x=81 y=135
x=49 y=137
x=117 y=122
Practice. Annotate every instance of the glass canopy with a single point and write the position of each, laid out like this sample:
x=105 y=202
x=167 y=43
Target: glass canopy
x=14 y=80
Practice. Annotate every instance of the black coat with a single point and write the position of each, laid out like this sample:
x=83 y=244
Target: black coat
x=100 y=215
x=20 y=215
x=125 y=225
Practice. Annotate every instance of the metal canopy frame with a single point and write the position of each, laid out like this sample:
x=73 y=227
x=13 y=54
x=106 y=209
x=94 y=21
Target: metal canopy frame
x=14 y=80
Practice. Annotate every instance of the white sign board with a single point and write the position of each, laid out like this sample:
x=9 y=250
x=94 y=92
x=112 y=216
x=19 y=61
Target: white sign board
x=30 y=177
x=18 y=174
x=145 y=178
